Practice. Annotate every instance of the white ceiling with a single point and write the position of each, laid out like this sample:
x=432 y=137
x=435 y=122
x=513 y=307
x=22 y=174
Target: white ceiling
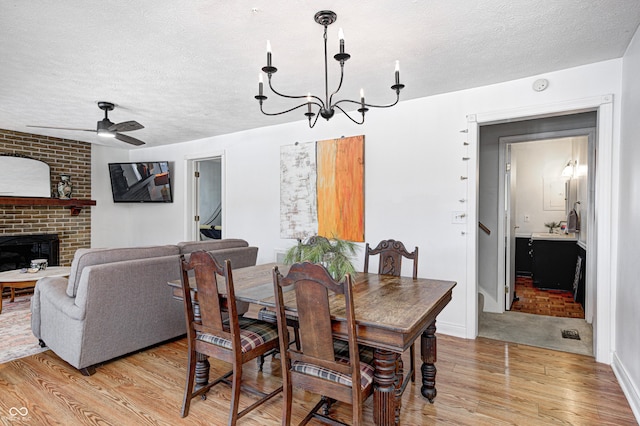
x=188 y=69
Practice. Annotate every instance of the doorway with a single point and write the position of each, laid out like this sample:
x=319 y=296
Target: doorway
x=208 y=202
x=600 y=268
x=548 y=179
x=205 y=207
x=534 y=196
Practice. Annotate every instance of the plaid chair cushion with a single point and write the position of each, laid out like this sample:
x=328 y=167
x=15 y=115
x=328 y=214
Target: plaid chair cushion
x=366 y=372
x=341 y=348
x=253 y=333
x=270 y=316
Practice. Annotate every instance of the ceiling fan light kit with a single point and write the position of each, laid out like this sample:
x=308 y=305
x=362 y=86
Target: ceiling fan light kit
x=325 y=107
x=107 y=129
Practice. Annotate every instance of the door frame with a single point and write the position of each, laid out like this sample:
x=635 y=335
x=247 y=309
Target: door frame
x=191 y=232
x=506 y=263
x=603 y=326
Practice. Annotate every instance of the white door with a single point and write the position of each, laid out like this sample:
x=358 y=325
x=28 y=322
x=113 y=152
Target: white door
x=510 y=228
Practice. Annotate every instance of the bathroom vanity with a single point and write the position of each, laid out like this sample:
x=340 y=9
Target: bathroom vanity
x=553 y=260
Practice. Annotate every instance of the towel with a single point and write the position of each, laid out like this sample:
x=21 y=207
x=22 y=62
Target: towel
x=573 y=221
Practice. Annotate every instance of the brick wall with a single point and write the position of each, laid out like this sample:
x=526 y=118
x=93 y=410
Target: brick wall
x=63 y=156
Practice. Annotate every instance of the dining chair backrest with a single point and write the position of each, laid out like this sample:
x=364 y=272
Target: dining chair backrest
x=391 y=254
x=314 y=288
x=213 y=311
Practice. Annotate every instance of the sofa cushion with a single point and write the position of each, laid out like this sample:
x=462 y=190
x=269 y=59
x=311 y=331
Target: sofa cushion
x=211 y=245
x=87 y=257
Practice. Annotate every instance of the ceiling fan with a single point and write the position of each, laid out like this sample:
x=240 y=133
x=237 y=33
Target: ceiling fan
x=106 y=128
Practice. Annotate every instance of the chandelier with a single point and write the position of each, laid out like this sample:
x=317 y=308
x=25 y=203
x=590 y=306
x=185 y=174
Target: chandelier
x=324 y=107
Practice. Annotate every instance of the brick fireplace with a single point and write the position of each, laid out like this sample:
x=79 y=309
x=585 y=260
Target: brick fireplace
x=63 y=156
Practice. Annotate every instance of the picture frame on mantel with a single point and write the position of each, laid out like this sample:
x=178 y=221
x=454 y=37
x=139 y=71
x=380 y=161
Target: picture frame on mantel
x=24 y=177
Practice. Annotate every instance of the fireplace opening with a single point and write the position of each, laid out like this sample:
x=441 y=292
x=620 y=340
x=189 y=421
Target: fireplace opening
x=17 y=251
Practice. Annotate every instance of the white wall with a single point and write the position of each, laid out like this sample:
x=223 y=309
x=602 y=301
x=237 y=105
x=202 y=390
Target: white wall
x=413 y=164
x=627 y=317
x=537 y=162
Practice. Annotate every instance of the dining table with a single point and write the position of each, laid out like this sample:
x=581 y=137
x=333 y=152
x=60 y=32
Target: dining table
x=391 y=313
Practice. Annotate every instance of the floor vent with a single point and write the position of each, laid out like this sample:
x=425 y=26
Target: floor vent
x=570 y=334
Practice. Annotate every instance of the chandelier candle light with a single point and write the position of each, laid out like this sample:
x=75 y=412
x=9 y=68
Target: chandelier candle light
x=326 y=107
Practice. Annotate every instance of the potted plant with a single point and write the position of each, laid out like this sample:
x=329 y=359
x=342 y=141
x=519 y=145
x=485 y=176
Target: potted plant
x=552 y=226
x=334 y=254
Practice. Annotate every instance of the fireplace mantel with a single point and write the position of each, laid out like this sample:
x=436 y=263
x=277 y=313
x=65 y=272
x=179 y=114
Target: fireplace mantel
x=74 y=204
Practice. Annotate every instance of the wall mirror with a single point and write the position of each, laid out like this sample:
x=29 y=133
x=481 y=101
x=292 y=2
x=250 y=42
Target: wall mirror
x=24 y=177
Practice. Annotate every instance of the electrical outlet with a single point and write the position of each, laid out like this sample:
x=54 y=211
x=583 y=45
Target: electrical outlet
x=526 y=218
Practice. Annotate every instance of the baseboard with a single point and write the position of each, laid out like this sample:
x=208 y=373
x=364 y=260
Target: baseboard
x=629 y=388
x=450 y=329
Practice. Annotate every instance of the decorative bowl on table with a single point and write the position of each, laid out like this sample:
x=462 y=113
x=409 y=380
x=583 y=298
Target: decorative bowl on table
x=39 y=264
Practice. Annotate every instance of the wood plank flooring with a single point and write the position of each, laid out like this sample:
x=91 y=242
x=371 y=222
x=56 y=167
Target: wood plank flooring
x=479 y=382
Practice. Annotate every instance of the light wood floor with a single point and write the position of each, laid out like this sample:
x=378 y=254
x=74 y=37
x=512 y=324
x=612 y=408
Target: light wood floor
x=479 y=382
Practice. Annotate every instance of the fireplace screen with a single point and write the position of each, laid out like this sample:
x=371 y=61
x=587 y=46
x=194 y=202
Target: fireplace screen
x=17 y=251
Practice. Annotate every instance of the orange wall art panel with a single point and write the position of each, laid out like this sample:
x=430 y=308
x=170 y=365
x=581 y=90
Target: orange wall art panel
x=340 y=188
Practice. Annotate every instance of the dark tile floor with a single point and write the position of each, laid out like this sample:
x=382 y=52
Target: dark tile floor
x=555 y=303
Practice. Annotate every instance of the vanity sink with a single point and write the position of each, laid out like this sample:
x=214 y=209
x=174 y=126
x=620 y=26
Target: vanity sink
x=548 y=236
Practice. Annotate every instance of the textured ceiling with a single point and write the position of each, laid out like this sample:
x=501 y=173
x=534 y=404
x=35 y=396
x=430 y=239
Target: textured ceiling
x=188 y=69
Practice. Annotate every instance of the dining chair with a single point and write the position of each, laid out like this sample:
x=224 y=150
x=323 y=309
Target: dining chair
x=390 y=263
x=322 y=365
x=215 y=329
x=269 y=315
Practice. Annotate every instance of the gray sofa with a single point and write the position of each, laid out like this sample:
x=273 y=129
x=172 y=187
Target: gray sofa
x=117 y=301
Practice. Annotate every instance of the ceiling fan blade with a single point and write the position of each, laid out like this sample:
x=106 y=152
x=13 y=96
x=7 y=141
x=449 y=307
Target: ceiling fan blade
x=129 y=139
x=126 y=126
x=63 y=128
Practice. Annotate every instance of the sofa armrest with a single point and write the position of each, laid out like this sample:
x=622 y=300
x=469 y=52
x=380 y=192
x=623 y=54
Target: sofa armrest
x=52 y=292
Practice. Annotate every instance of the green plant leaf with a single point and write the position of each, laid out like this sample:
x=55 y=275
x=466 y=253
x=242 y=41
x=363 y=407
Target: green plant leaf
x=335 y=254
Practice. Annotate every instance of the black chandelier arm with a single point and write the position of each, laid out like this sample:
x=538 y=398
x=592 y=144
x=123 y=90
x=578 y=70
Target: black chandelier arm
x=311 y=126
x=368 y=105
x=348 y=116
x=296 y=97
x=284 y=112
x=340 y=84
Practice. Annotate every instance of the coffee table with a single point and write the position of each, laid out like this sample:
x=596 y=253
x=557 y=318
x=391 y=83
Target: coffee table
x=16 y=279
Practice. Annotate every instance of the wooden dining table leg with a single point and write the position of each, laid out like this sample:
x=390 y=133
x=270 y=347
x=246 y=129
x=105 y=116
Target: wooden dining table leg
x=399 y=387
x=384 y=387
x=428 y=349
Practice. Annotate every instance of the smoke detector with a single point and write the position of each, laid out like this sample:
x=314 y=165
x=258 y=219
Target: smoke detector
x=540 y=84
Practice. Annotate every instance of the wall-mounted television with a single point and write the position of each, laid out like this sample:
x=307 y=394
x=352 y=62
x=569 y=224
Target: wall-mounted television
x=141 y=182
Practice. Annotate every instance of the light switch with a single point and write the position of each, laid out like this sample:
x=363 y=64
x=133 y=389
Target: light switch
x=526 y=218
